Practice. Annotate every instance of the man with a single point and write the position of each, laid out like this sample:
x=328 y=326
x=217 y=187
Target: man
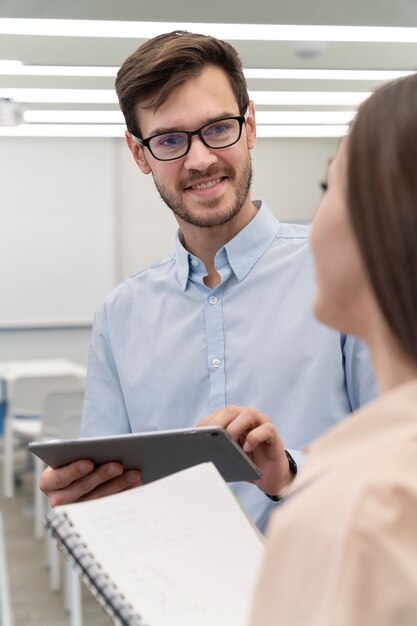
x=226 y=320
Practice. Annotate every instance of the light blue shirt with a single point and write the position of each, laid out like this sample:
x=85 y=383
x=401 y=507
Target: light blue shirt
x=166 y=350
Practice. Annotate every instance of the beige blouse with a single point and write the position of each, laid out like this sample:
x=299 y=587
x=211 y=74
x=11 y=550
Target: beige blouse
x=342 y=550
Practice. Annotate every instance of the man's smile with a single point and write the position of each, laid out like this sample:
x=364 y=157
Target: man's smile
x=207 y=184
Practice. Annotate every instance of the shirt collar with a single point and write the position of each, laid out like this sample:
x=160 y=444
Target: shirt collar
x=242 y=252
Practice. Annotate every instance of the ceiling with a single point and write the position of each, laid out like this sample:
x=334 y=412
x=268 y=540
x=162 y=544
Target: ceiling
x=258 y=52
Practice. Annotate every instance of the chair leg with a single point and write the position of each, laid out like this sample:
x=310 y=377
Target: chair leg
x=54 y=564
x=8 y=487
x=5 y=601
x=39 y=507
x=74 y=596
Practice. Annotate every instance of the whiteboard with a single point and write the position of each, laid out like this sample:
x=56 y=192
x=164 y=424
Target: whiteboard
x=57 y=230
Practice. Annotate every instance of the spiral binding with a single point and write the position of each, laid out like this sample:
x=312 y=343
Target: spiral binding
x=91 y=573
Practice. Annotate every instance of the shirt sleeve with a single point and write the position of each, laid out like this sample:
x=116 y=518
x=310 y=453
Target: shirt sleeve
x=360 y=379
x=104 y=407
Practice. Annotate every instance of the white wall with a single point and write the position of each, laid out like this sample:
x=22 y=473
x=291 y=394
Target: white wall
x=57 y=235
x=287 y=174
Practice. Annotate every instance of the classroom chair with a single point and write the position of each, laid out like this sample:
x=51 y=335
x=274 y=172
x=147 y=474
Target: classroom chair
x=61 y=418
x=24 y=414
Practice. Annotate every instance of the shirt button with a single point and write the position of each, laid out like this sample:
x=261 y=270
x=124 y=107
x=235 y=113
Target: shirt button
x=194 y=262
x=213 y=300
x=216 y=363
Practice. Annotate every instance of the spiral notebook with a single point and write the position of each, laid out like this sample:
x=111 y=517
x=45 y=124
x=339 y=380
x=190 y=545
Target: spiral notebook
x=177 y=552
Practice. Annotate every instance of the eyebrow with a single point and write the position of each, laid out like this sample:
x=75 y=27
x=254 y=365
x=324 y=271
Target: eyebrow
x=161 y=129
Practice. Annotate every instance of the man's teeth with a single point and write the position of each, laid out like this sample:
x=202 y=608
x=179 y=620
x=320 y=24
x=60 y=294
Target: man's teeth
x=205 y=185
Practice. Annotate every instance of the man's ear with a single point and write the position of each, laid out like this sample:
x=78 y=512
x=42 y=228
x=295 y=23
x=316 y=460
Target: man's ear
x=138 y=154
x=251 y=126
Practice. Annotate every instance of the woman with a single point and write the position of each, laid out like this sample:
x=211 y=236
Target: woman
x=343 y=547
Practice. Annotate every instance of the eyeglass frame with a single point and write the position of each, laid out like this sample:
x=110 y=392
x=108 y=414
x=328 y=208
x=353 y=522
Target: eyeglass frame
x=144 y=143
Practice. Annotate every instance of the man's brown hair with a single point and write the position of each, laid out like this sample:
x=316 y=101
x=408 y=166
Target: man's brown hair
x=382 y=200
x=160 y=65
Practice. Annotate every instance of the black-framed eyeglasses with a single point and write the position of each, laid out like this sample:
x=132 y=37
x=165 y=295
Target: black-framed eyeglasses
x=175 y=144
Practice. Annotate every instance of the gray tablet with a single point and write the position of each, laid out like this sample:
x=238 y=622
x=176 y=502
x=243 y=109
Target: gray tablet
x=155 y=454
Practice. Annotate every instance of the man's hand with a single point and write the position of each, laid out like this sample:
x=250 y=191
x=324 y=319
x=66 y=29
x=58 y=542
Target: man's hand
x=81 y=481
x=256 y=434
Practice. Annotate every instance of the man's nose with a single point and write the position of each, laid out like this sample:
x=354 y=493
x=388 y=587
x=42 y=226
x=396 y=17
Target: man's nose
x=199 y=157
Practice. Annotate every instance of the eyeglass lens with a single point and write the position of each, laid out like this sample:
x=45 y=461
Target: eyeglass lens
x=174 y=145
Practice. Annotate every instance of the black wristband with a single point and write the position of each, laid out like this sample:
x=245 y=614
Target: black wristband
x=291 y=463
x=293 y=469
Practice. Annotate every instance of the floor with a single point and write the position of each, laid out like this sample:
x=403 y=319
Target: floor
x=33 y=604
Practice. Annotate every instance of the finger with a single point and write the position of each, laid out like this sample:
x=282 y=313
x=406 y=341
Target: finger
x=264 y=434
x=243 y=423
x=127 y=480
x=211 y=419
x=62 y=477
x=84 y=485
x=222 y=417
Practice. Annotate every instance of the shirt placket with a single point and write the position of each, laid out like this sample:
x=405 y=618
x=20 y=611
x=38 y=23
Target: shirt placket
x=215 y=348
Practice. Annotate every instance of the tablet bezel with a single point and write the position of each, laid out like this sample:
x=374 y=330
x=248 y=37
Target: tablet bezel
x=156 y=454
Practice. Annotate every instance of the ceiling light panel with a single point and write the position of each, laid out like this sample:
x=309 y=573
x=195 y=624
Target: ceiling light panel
x=68 y=112
x=108 y=96
x=307 y=74
x=304 y=117
x=8 y=68
x=118 y=130
x=254 y=32
x=306 y=98
x=61 y=96
x=34 y=116
x=17 y=68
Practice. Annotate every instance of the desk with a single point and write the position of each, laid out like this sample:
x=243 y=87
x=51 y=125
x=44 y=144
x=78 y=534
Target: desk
x=10 y=371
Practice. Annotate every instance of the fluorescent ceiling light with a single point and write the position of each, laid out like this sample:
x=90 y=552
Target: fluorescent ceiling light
x=300 y=74
x=63 y=130
x=118 y=130
x=326 y=98
x=17 y=68
x=304 y=117
x=33 y=116
x=108 y=96
x=10 y=66
x=59 y=96
x=257 y=32
x=315 y=131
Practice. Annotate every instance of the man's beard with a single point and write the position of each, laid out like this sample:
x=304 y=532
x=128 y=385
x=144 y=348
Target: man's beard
x=242 y=187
